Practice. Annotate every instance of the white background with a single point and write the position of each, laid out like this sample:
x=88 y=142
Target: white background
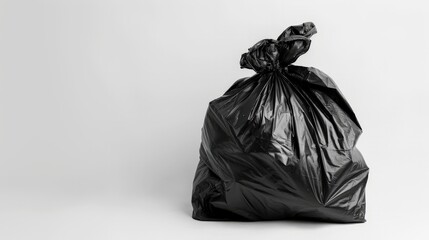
x=102 y=103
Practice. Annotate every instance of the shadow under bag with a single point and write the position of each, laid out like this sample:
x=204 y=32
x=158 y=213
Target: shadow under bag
x=280 y=144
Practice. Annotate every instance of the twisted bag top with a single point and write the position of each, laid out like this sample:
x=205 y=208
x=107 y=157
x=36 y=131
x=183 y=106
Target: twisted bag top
x=280 y=144
x=269 y=54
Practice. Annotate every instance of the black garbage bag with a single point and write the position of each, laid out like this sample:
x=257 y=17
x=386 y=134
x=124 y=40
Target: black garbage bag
x=280 y=144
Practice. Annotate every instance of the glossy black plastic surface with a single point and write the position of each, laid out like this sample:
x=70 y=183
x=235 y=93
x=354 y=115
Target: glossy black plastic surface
x=280 y=144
